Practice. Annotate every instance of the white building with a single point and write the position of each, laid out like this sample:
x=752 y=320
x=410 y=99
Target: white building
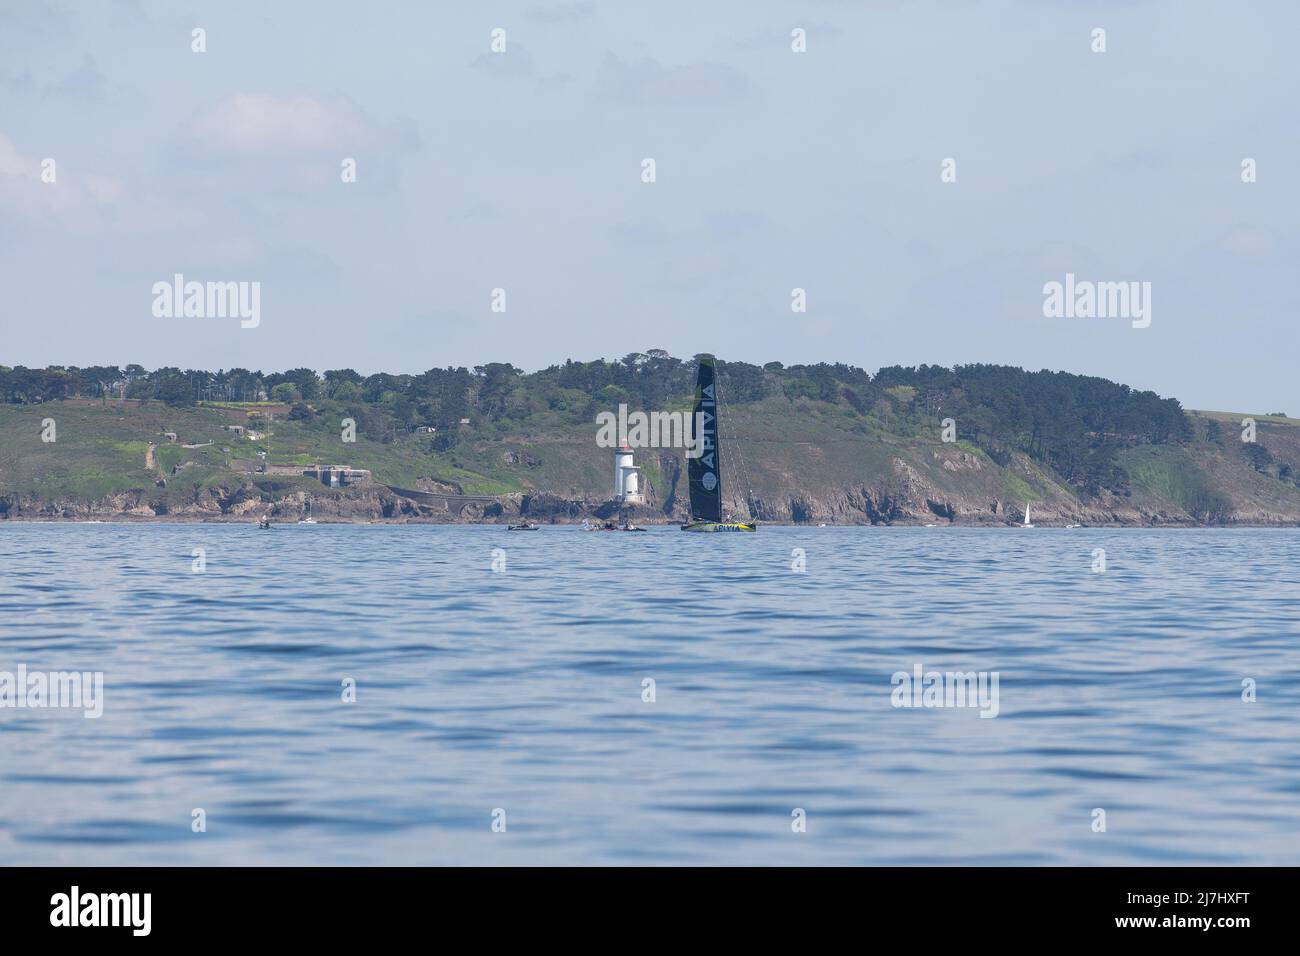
x=627 y=478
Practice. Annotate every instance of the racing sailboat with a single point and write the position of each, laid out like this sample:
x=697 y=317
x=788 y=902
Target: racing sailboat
x=705 y=471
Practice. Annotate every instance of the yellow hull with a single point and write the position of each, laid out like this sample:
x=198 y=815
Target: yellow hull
x=720 y=526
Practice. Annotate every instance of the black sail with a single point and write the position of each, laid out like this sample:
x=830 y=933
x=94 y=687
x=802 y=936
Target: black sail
x=704 y=471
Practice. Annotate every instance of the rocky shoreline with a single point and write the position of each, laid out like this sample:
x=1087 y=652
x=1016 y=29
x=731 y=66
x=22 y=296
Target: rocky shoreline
x=935 y=486
x=854 y=508
x=180 y=519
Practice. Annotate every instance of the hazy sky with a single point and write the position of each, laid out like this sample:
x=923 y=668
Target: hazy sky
x=775 y=170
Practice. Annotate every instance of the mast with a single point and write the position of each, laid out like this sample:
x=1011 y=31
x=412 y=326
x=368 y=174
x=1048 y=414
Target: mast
x=704 y=472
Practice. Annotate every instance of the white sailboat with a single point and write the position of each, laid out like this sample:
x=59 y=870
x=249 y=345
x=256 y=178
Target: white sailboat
x=1027 y=523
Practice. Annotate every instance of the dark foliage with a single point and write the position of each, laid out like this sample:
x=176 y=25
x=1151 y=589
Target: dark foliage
x=1074 y=424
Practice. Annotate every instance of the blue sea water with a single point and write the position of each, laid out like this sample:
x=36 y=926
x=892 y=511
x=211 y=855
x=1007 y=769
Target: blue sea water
x=521 y=690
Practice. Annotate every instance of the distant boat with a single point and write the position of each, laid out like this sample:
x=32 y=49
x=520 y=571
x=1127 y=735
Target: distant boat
x=1069 y=526
x=705 y=472
x=527 y=526
x=1027 y=523
x=611 y=526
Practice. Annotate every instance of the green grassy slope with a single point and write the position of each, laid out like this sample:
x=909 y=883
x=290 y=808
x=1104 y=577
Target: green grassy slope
x=800 y=458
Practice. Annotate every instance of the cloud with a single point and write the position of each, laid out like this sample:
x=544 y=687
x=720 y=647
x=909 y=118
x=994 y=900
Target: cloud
x=735 y=224
x=85 y=81
x=515 y=61
x=640 y=233
x=17 y=82
x=83 y=202
x=556 y=81
x=80 y=200
x=780 y=39
x=127 y=14
x=39 y=18
x=1249 y=242
x=14 y=164
x=564 y=13
x=486 y=211
x=262 y=124
x=646 y=82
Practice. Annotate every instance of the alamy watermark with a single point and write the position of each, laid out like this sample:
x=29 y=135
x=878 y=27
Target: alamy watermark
x=76 y=908
x=652 y=430
x=208 y=300
x=946 y=689
x=82 y=690
x=1085 y=299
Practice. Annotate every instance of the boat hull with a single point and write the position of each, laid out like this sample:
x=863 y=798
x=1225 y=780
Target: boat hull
x=712 y=526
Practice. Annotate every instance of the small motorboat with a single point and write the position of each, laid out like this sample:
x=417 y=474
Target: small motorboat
x=529 y=526
x=265 y=523
x=610 y=526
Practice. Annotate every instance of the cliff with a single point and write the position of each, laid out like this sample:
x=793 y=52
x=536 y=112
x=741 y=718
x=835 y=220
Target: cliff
x=785 y=461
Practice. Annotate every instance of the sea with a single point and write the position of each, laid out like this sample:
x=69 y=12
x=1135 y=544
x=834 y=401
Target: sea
x=465 y=695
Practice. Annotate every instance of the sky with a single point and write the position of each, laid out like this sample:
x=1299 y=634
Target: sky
x=774 y=170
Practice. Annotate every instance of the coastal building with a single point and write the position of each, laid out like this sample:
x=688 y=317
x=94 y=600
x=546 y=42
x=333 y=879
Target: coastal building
x=336 y=476
x=627 y=478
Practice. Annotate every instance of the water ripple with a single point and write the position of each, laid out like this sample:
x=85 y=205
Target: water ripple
x=529 y=692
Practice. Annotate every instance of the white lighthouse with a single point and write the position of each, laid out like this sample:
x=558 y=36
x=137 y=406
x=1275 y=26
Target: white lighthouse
x=627 y=478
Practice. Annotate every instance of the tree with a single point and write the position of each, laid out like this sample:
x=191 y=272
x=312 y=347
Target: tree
x=336 y=379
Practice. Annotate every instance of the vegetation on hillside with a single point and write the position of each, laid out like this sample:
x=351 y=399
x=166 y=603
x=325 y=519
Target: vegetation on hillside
x=1074 y=425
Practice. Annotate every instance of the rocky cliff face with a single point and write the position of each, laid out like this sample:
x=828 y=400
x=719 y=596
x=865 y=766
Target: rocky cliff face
x=904 y=500
x=848 y=481
x=242 y=502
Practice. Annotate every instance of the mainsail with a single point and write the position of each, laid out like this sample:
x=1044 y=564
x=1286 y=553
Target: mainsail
x=704 y=471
